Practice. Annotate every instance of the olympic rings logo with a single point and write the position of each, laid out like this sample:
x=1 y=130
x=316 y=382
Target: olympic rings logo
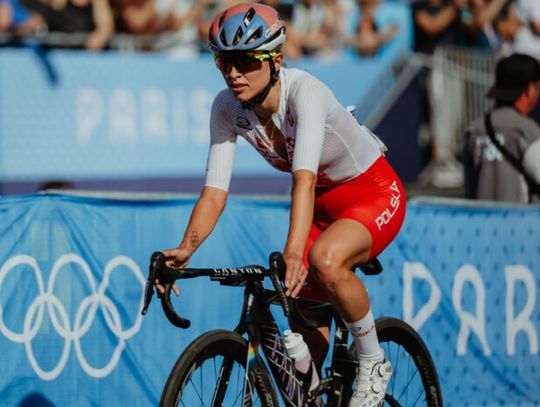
x=88 y=307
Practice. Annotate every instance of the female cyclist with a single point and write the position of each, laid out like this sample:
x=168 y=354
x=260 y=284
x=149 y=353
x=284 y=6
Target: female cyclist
x=347 y=203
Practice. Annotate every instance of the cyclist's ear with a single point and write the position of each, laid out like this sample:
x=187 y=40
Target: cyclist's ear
x=278 y=60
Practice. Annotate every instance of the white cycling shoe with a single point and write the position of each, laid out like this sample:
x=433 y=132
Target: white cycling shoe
x=372 y=377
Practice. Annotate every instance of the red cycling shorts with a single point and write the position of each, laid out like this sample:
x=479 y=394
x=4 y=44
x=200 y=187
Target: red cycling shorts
x=374 y=198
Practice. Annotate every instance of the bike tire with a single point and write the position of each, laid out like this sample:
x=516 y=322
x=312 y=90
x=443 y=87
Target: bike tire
x=416 y=383
x=204 y=358
x=396 y=333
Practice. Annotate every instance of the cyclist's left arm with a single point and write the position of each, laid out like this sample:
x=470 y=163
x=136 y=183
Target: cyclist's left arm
x=301 y=216
x=309 y=101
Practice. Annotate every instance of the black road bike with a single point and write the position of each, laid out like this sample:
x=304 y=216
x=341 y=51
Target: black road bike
x=225 y=368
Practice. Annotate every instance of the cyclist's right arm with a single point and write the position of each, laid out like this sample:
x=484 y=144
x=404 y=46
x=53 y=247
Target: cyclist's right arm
x=204 y=218
x=213 y=198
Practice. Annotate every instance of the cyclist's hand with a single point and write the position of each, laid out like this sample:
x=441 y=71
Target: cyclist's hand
x=176 y=259
x=161 y=288
x=296 y=274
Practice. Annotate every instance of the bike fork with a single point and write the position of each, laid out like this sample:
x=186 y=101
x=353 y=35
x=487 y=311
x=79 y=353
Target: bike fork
x=222 y=383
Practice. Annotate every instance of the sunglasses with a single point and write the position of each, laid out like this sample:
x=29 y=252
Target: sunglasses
x=242 y=61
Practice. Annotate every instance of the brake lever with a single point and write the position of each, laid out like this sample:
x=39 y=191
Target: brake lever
x=150 y=283
x=166 y=277
x=290 y=305
x=277 y=269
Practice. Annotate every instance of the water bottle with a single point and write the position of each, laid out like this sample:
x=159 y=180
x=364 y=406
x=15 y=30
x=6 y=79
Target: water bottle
x=299 y=352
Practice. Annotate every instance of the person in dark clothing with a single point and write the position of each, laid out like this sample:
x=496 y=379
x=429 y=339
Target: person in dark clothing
x=435 y=22
x=476 y=23
x=77 y=16
x=488 y=173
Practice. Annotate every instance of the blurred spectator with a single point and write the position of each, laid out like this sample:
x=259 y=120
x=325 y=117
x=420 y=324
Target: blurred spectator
x=529 y=11
x=517 y=37
x=477 y=18
x=134 y=16
x=316 y=26
x=488 y=172
x=369 y=37
x=436 y=22
x=176 y=22
x=77 y=16
x=17 y=19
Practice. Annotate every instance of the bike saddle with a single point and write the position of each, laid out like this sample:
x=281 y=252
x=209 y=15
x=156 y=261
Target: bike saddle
x=372 y=267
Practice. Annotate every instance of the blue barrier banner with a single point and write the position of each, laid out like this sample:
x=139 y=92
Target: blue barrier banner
x=87 y=116
x=72 y=271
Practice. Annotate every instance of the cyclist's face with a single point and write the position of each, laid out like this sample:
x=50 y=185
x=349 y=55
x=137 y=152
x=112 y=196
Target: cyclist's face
x=246 y=74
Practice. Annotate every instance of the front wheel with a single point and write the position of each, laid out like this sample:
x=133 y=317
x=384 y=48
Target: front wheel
x=211 y=372
x=414 y=380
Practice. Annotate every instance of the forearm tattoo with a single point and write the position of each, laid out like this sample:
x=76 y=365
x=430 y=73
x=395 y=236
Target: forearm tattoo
x=194 y=239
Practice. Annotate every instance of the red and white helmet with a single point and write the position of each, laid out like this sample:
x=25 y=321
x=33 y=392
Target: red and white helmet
x=246 y=27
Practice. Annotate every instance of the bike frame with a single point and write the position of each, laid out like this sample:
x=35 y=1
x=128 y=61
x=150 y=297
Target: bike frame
x=261 y=328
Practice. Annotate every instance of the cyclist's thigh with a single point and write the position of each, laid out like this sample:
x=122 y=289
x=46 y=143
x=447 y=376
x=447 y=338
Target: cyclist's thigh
x=346 y=241
x=376 y=199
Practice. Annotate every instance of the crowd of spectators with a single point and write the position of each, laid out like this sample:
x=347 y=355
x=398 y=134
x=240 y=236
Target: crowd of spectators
x=505 y=26
x=179 y=27
x=315 y=27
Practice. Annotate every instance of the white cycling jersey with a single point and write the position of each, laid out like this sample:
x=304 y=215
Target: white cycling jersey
x=320 y=134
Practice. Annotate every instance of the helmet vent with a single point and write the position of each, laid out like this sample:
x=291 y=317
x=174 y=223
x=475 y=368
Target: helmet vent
x=256 y=35
x=238 y=36
x=249 y=16
x=222 y=37
x=221 y=19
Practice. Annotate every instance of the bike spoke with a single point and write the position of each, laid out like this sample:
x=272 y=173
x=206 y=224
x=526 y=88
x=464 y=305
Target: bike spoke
x=201 y=381
x=417 y=399
x=398 y=352
x=406 y=387
x=240 y=383
x=199 y=396
x=237 y=392
x=391 y=400
x=238 y=396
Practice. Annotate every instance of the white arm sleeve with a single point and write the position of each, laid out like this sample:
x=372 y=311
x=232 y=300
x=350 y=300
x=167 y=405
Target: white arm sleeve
x=531 y=160
x=311 y=101
x=222 y=147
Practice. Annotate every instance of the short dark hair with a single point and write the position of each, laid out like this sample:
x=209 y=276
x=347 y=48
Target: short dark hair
x=512 y=76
